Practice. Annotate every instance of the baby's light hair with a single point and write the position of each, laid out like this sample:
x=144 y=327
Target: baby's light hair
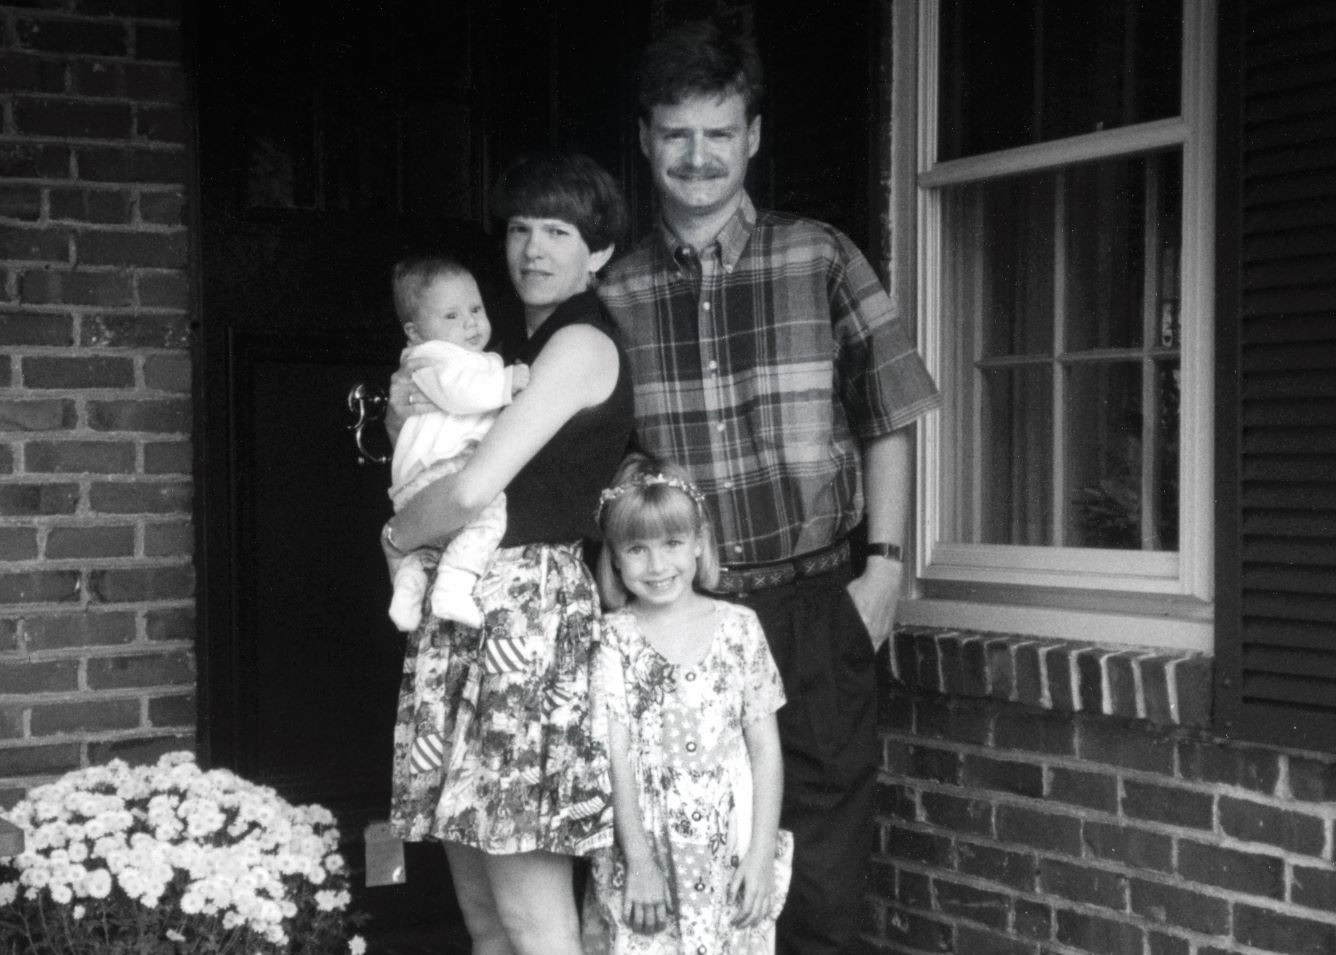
x=651 y=498
x=413 y=276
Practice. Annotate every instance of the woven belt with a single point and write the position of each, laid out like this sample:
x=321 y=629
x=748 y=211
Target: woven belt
x=744 y=578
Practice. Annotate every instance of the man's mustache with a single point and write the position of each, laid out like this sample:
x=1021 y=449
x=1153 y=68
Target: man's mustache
x=688 y=171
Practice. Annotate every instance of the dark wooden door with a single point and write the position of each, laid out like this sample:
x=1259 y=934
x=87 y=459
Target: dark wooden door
x=330 y=145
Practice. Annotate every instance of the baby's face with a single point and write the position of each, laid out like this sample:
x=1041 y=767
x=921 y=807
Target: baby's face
x=451 y=310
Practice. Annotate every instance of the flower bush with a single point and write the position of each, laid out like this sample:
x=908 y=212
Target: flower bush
x=168 y=860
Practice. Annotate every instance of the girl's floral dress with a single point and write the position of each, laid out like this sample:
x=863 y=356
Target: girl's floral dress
x=689 y=756
x=495 y=745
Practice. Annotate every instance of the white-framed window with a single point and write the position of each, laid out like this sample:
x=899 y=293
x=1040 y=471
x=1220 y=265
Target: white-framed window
x=1063 y=207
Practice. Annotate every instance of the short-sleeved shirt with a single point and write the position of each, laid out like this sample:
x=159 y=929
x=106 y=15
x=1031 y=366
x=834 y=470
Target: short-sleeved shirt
x=762 y=365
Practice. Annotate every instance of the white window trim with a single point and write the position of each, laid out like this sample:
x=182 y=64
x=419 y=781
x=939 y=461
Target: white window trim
x=1165 y=597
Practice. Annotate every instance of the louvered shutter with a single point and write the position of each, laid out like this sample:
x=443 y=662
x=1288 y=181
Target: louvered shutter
x=1276 y=319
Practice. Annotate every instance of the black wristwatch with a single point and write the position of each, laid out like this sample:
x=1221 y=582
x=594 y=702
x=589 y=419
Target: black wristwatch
x=889 y=551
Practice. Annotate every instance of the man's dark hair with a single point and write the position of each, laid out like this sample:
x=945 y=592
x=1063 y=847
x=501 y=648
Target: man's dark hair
x=700 y=58
x=564 y=185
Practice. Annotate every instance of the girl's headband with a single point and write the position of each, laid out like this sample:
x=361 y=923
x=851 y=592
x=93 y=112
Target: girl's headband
x=610 y=494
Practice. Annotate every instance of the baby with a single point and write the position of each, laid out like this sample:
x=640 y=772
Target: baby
x=440 y=307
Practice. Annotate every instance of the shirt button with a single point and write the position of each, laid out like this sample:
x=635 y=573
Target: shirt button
x=691 y=748
x=700 y=887
x=706 y=306
x=691 y=674
x=719 y=427
x=737 y=548
x=713 y=363
x=696 y=816
x=728 y=485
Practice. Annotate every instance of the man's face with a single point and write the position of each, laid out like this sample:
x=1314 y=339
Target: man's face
x=698 y=152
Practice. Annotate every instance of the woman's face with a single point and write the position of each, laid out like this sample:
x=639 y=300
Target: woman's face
x=548 y=262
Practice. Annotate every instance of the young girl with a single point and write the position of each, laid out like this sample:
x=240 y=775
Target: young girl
x=690 y=694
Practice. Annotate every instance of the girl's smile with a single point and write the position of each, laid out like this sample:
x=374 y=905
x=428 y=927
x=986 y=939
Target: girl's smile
x=658 y=571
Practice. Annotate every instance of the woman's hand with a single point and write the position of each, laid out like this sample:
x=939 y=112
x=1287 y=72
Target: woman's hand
x=754 y=884
x=646 y=904
x=405 y=398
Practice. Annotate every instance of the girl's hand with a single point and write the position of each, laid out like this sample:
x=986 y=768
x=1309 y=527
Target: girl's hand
x=407 y=398
x=519 y=377
x=646 y=904
x=753 y=885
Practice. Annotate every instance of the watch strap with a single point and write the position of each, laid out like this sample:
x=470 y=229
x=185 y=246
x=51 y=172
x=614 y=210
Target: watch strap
x=880 y=549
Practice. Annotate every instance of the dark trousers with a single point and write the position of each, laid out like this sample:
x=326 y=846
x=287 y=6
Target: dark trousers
x=828 y=729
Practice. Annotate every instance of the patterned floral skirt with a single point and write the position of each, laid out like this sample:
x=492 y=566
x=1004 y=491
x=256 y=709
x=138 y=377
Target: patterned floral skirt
x=495 y=745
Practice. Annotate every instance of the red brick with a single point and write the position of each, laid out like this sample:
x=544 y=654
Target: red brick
x=1022 y=779
x=1126 y=744
x=958 y=720
x=1192 y=678
x=98 y=164
x=1033 y=919
x=35 y=760
x=1029 y=682
x=1099 y=936
x=133 y=584
x=1254 y=822
x=165 y=124
x=1093 y=790
x=72 y=119
x=1180 y=907
x=915 y=845
x=79 y=457
x=18 y=543
x=11 y=725
x=87 y=629
x=168 y=457
x=925 y=648
x=169 y=540
x=1060 y=670
x=31 y=74
x=141 y=498
x=172 y=711
x=148 y=415
x=51 y=586
x=52 y=287
x=1081 y=883
x=147 y=83
x=33 y=500
x=100 y=206
x=1155 y=690
x=20 y=202
x=174 y=624
x=97 y=78
x=1135 y=848
x=939 y=765
x=1314 y=888
x=59 y=719
x=1090 y=680
x=1001 y=672
x=1313 y=780
x=1122 y=684
x=1246 y=872
x=61 y=36
x=897 y=802
x=1276 y=932
x=34 y=161
x=57 y=330
x=136 y=331
x=50 y=676
x=168 y=373
x=1014 y=869
x=64 y=543
x=164 y=290
x=141 y=670
x=979 y=905
x=957 y=814
x=973 y=667
x=1042 y=830
x=9 y=635
x=157 y=43
x=34 y=244
x=142 y=751
x=914 y=889
x=949 y=661
x=67 y=373
x=6 y=454
x=1251 y=767
x=971 y=939
x=1162 y=944
x=918 y=932
x=164 y=250
x=1035 y=732
x=1177 y=807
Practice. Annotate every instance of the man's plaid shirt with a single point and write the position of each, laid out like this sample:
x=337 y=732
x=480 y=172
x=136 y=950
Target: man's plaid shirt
x=760 y=366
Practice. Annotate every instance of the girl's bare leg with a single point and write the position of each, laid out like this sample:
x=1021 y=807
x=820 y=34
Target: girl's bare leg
x=535 y=900
x=473 y=888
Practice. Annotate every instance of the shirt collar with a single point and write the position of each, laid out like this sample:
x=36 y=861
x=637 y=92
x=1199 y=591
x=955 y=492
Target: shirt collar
x=731 y=240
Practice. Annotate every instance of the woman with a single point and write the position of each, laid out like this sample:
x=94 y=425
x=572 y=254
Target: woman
x=521 y=785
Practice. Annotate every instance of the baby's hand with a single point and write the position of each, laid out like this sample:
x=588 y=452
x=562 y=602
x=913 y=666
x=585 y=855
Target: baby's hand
x=519 y=377
x=753 y=885
x=646 y=903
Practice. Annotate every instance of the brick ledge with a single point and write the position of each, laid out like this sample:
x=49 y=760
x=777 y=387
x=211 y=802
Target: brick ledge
x=1165 y=687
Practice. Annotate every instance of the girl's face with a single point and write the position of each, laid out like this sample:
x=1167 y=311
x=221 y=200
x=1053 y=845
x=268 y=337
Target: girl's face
x=548 y=262
x=658 y=571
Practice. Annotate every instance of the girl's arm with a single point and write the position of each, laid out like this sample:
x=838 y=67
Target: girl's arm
x=754 y=881
x=645 y=902
x=577 y=369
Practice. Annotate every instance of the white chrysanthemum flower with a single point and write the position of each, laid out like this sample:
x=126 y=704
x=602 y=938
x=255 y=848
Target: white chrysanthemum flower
x=357 y=945
x=9 y=891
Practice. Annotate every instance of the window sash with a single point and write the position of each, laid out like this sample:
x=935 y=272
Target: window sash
x=1049 y=572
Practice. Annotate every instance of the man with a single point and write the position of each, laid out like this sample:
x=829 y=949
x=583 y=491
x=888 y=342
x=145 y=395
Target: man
x=767 y=361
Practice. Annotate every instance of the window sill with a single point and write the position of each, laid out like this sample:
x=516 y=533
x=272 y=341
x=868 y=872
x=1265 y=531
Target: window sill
x=1164 y=686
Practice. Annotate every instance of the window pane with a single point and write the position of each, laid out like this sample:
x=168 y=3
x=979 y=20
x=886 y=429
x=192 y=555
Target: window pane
x=1015 y=72
x=1104 y=459
x=1015 y=481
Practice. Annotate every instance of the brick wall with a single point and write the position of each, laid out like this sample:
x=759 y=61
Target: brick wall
x=96 y=583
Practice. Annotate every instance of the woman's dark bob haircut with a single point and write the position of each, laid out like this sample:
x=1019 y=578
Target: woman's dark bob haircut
x=700 y=58
x=568 y=186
